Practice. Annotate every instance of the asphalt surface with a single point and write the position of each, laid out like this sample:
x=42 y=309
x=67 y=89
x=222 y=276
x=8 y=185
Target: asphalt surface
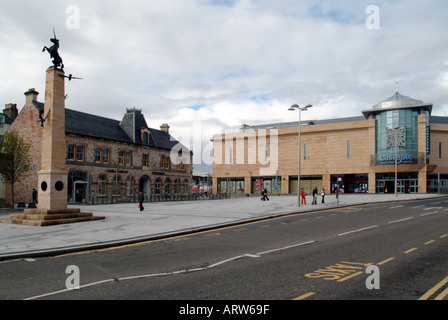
x=125 y=224
x=314 y=255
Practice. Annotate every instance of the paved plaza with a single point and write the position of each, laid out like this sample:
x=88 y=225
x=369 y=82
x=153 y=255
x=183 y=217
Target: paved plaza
x=124 y=222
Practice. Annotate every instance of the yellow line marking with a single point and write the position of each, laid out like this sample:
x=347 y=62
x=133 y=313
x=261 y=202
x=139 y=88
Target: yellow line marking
x=350 y=276
x=431 y=241
x=410 y=250
x=385 y=261
x=309 y=294
x=266 y=226
x=434 y=289
x=239 y=230
x=442 y=295
x=445 y=235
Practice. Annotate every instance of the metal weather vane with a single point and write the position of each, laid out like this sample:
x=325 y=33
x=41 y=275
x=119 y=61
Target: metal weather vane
x=70 y=77
x=54 y=54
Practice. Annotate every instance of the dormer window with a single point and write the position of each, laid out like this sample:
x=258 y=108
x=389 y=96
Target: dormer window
x=145 y=137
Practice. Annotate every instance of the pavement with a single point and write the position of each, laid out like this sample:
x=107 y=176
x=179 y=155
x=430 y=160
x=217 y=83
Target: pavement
x=125 y=224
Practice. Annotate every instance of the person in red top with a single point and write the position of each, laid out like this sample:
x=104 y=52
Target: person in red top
x=302 y=194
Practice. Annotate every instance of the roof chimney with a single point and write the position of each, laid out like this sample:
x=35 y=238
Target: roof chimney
x=165 y=128
x=31 y=95
x=11 y=111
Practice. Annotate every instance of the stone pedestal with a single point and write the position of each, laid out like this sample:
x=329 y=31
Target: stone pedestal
x=52 y=207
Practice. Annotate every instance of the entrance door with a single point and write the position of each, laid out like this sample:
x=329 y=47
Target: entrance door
x=389 y=187
x=80 y=192
x=145 y=186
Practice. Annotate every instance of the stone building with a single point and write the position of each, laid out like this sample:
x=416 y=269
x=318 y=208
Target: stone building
x=355 y=154
x=108 y=160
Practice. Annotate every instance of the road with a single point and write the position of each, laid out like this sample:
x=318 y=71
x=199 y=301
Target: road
x=313 y=256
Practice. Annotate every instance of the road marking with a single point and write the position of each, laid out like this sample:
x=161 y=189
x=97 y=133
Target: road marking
x=239 y=230
x=418 y=206
x=340 y=271
x=401 y=220
x=442 y=295
x=211 y=234
x=350 y=276
x=427 y=214
x=266 y=226
x=394 y=207
x=288 y=247
x=385 y=261
x=410 y=250
x=309 y=294
x=435 y=289
x=353 y=231
x=433 y=208
x=445 y=235
x=431 y=241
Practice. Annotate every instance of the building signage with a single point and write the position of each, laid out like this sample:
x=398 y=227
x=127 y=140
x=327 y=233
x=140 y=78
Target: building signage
x=116 y=171
x=428 y=140
x=401 y=159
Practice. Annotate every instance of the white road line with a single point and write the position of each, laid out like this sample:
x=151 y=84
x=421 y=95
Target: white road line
x=353 y=231
x=394 y=207
x=426 y=214
x=170 y=273
x=401 y=220
x=418 y=206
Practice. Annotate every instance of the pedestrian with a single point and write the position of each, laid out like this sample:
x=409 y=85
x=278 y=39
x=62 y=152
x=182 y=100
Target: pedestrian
x=140 y=200
x=302 y=194
x=34 y=196
x=323 y=195
x=315 y=195
x=264 y=194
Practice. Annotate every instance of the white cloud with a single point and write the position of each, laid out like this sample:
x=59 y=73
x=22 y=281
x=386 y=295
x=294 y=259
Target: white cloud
x=230 y=61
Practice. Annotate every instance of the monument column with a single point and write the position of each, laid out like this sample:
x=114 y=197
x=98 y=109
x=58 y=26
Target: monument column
x=53 y=174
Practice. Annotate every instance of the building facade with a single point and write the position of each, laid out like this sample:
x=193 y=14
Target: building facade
x=108 y=160
x=396 y=140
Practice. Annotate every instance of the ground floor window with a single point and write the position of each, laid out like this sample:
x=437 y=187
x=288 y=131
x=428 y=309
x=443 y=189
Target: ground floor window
x=349 y=183
x=77 y=187
x=306 y=182
x=407 y=182
x=436 y=181
x=271 y=184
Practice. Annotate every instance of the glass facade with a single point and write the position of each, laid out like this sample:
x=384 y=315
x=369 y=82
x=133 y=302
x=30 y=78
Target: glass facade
x=393 y=119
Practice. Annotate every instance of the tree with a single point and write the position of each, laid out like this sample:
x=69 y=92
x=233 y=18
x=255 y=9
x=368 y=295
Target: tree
x=15 y=159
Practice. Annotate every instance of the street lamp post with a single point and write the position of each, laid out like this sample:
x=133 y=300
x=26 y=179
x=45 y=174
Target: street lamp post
x=293 y=108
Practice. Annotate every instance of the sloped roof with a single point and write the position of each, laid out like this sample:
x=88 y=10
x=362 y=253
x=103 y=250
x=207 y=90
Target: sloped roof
x=89 y=125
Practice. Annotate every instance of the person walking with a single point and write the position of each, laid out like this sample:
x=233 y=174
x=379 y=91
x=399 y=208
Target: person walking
x=302 y=194
x=323 y=195
x=140 y=200
x=34 y=196
x=264 y=193
x=315 y=195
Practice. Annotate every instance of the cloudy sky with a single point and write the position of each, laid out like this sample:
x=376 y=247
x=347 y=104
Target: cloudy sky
x=206 y=66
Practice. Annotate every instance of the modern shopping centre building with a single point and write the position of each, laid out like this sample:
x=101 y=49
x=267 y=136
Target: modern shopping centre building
x=396 y=141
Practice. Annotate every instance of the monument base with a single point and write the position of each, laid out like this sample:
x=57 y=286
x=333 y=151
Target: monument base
x=45 y=217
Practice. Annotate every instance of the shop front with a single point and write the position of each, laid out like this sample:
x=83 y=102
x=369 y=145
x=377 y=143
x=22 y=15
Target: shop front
x=350 y=183
x=407 y=182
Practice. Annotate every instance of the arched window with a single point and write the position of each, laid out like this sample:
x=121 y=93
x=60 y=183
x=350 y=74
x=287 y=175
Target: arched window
x=186 y=183
x=168 y=186
x=177 y=186
x=102 y=185
x=116 y=184
x=130 y=186
x=157 y=186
